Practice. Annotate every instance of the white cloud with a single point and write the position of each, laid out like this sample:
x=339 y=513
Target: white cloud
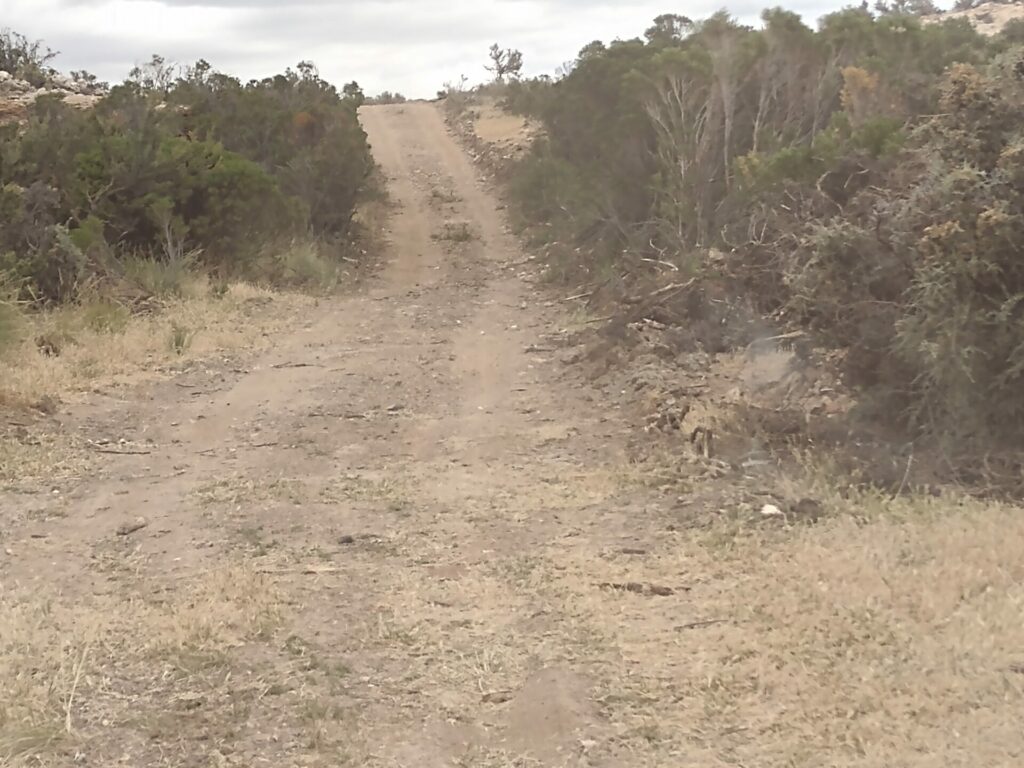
x=406 y=45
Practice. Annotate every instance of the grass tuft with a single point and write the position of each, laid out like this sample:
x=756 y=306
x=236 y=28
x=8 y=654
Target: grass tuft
x=303 y=265
x=180 y=338
x=12 y=326
x=177 y=278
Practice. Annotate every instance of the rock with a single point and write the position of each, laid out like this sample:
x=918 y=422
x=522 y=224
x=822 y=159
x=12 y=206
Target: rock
x=16 y=95
x=126 y=529
x=496 y=697
x=46 y=404
x=65 y=82
x=808 y=509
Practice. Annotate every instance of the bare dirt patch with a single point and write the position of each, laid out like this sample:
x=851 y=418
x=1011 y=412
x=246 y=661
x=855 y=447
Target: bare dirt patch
x=64 y=357
x=513 y=133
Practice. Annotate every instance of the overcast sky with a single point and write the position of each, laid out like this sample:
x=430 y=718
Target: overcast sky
x=405 y=45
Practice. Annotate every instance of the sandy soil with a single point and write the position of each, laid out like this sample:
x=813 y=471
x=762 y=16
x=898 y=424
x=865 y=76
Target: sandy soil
x=410 y=536
x=987 y=18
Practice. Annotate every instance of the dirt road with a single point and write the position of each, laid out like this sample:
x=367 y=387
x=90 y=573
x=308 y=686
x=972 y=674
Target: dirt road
x=408 y=476
x=410 y=536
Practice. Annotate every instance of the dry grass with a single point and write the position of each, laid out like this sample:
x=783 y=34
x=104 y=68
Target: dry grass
x=390 y=490
x=241 y=490
x=897 y=641
x=64 y=354
x=88 y=355
x=25 y=460
x=303 y=265
x=11 y=326
x=444 y=195
x=71 y=672
x=455 y=232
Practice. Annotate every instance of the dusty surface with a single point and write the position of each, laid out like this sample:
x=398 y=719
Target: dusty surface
x=410 y=535
x=512 y=134
x=494 y=138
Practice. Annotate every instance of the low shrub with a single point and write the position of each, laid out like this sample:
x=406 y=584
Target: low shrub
x=304 y=264
x=175 y=169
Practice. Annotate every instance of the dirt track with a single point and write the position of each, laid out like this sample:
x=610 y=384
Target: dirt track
x=410 y=537
x=410 y=468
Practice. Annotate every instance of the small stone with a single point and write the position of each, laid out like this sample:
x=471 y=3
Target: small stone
x=126 y=529
x=497 y=697
x=808 y=509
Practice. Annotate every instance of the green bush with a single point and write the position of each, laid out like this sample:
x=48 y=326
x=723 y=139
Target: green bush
x=105 y=316
x=963 y=222
x=921 y=278
x=175 y=168
x=530 y=98
x=863 y=181
x=36 y=252
x=158 y=277
x=303 y=264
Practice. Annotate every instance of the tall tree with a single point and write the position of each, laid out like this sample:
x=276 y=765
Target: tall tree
x=668 y=28
x=505 y=63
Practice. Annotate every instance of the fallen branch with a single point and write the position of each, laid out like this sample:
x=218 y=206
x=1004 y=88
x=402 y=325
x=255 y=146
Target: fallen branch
x=659 y=262
x=579 y=296
x=197 y=392
x=665 y=290
x=906 y=476
x=308 y=571
x=74 y=689
x=120 y=452
x=701 y=624
x=641 y=589
x=780 y=337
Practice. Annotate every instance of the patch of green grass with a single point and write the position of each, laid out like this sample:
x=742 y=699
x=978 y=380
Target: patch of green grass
x=306 y=265
x=180 y=338
x=105 y=316
x=161 y=278
x=11 y=326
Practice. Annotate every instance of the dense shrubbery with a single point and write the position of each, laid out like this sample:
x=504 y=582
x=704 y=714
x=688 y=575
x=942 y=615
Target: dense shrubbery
x=674 y=134
x=863 y=180
x=938 y=316
x=172 y=165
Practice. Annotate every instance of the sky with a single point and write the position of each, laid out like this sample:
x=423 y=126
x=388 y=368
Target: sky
x=398 y=45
